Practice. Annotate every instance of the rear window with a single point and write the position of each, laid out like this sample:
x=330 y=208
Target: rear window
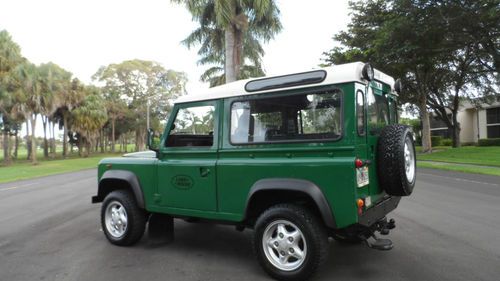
x=302 y=117
x=378 y=111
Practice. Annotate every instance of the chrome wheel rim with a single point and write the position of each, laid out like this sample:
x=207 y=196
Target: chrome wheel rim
x=284 y=245
x=409 y=160
x=116 y=219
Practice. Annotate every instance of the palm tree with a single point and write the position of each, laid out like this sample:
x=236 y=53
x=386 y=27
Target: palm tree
x=89 y=118
x=71 y=95
x=230 y=31
x=10 y=57
x=28 y=97
x=117 y=109
x=55 y=86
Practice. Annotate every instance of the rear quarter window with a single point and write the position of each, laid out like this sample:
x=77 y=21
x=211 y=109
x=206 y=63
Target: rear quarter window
x=292 y=118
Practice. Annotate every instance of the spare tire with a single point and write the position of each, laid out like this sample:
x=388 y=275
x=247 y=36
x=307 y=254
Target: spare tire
x=396 y=161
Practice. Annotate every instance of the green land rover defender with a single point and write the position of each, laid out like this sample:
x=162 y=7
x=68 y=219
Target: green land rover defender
x=297 y=158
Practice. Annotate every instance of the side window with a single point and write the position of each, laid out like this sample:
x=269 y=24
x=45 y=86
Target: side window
x=360 y=112
x=310 y=116
x=193 y=126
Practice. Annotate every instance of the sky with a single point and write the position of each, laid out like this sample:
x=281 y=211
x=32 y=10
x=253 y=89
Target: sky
x=82 y=35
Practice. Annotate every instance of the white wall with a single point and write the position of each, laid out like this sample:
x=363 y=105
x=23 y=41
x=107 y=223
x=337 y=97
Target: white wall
x=482 y=124
x=466 y=118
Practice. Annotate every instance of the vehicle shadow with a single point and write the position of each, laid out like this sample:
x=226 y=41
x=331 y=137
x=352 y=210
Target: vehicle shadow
x=225 y=244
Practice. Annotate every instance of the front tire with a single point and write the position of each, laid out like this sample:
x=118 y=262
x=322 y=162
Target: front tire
x=290 y=242
x=122 y=221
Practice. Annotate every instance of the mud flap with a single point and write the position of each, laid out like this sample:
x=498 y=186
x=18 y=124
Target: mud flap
x=161 y=229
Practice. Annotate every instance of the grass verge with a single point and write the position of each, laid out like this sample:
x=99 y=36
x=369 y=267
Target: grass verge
x=476 y=155
x=26 y=170
x=461 y=168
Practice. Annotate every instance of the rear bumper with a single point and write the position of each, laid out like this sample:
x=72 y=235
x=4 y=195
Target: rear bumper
x=380 y=210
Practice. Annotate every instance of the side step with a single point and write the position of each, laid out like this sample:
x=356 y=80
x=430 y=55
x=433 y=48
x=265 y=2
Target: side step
x=378 y=244
x=383 y=227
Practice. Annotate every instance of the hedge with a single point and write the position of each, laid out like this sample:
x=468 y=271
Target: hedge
x=447 y=142
x=489 y=142
x=436 y=140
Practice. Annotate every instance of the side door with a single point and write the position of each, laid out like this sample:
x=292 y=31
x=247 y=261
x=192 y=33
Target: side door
x=188 y=156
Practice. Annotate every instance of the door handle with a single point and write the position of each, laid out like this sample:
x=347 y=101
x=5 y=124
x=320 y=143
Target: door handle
x=204 y=171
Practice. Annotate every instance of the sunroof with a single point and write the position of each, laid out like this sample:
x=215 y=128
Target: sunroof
x=285 y=81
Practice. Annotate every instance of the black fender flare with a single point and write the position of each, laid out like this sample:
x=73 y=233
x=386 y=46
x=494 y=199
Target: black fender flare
x=297 y=185
x=123 y=176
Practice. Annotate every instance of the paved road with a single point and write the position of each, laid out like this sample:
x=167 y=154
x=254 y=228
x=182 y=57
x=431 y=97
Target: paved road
x=448 y=230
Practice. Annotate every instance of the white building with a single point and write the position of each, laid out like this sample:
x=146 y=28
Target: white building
x=475 y=122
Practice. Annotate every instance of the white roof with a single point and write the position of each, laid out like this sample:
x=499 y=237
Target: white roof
x=343 y=73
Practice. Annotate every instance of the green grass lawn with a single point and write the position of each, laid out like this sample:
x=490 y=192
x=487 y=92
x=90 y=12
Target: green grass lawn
x=460 y=168
x=23 y=169
x=26 y=170
x=477 y=155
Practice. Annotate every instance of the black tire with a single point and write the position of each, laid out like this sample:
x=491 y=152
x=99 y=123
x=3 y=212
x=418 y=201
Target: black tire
x=136 y=218
x=314 y=234
x=391 y=161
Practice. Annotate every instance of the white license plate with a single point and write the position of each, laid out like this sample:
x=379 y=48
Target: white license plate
x=362 y=176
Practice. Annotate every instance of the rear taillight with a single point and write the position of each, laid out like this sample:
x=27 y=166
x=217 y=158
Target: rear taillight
x=358 y=163
x=360 y=203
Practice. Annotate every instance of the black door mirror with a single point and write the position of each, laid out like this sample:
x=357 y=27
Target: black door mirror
x=153 y=140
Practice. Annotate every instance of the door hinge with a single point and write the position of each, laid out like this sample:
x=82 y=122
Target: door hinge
x=157 y=198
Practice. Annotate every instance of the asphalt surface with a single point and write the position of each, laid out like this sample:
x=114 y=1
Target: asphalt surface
x=449 y=229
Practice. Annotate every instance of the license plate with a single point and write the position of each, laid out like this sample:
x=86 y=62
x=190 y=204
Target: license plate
x=362 y=176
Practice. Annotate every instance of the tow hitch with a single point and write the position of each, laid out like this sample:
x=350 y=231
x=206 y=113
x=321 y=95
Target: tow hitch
x=383 y=227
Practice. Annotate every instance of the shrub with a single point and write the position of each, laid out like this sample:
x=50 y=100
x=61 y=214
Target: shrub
x=469 y=143
x=447 y=142
x=436 y=140
x=489 y=142
x=418 y=140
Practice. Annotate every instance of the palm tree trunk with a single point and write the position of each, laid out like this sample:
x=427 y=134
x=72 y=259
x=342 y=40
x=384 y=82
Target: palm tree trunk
x=33 y=139
x=6 y=154
x=45 y=141
x=103 y=144
x=65 y=136
x=16 y=143
x=230 y=54
x=5 y=132
x=113 y=134
x=28 y=139
x=238 y=51
x=53 y=140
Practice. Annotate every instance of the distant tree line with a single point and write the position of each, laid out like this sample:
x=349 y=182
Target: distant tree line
x=92 y=117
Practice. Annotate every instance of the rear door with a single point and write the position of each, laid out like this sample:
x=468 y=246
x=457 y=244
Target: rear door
x=186 y=168
x=377 y=118
x=362 y=151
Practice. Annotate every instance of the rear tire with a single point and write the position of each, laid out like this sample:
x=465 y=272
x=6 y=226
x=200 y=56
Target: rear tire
x=290 y=242
x=122 y=221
